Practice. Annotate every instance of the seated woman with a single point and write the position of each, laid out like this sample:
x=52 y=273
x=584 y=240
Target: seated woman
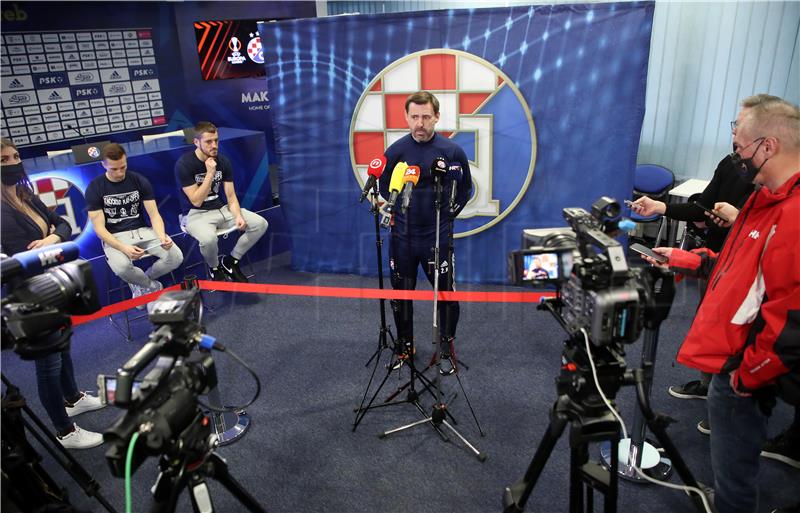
x=28 y=224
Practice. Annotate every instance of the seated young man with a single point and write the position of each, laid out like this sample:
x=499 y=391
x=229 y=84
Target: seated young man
x=116 y=203
x=204 y=175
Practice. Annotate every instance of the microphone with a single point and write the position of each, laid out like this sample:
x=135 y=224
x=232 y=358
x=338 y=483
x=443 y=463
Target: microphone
x=410 y=179
x=438 y=167
x=454 y=174
x=395 y=184
x=375 y=170
x=35 y=261
x=77 y=130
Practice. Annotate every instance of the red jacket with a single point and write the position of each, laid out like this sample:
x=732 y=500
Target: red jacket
x=749 y=318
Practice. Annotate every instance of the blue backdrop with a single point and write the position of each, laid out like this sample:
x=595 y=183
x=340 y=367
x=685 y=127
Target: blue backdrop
x=565 y=116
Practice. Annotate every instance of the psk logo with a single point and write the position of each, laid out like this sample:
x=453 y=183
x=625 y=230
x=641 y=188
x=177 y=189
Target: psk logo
x=480 y=109
x=254 y=49
x=64 y=199
x=235 y=57
x=93 y=151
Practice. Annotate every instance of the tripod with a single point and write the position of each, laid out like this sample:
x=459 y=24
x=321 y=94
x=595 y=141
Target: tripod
x=439 y=413
x=580 y=405
x=384 y=333
x=30 y=484
x=191 y=467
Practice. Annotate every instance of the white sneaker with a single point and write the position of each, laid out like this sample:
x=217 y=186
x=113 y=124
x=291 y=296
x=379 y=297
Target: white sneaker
x=157 y=285
x=136 y=291
x=87 y=402
x=80 y=439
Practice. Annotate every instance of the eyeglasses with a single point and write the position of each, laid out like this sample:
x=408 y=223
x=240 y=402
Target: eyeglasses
x=733 y=125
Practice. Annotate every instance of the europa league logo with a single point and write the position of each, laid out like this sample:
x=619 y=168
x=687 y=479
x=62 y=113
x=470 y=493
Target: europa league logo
x=235 y=45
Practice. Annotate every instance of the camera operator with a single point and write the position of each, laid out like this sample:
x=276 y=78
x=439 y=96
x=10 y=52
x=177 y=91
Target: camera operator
x=28 y=224
x=747 y=331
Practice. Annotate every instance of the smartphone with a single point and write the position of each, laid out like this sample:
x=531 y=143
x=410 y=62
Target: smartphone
x=644 y=250
x=712 y=212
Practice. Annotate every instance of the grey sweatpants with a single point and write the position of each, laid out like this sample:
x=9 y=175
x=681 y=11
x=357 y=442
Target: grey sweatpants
x=203 y=226
x=146 y=239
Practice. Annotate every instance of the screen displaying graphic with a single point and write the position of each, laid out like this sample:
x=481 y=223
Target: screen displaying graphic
x=229 y=49
x=74 y=84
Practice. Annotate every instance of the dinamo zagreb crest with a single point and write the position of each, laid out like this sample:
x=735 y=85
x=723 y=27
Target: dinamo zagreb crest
x=65 y=199
x=480 y=109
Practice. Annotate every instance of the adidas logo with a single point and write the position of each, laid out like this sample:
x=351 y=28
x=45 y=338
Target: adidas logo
x=146 y=87
x=14 y=84
x=54 y=96
x=115 y=75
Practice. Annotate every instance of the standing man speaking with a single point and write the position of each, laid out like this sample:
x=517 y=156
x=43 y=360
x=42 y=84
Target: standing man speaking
x=414 y=231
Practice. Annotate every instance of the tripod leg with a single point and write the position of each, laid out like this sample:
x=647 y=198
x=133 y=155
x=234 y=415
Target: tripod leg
x=481 y=455
x=219 y=471
x=516 y=495
x=201 y=497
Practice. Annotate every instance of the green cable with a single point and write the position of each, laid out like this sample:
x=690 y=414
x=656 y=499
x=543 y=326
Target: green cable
x=128 y=460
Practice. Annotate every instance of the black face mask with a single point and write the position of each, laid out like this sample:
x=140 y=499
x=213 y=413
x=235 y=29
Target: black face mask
x=12 y=174
x=744 y=167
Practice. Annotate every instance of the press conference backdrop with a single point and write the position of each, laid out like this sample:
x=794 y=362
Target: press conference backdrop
x=704 y=58
x=547 y=102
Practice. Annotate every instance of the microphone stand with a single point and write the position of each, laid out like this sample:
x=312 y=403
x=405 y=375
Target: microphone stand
x=384 y=333
x=413 y=395
x=439 y=413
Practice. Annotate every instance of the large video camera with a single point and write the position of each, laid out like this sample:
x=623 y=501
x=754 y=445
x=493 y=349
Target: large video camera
x=41 y=289
x=163 y=407
x=598 y=292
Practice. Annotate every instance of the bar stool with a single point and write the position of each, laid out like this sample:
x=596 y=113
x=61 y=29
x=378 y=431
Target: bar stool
x=120 y=289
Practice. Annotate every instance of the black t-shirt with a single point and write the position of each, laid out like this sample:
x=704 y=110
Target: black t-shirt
x=189 y=170
x=121 y=202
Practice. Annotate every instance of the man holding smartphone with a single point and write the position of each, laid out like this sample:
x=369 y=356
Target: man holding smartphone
x=747 y=329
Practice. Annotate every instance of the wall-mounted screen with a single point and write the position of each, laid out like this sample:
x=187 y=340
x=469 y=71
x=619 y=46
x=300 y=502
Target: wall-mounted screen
x=229 y=49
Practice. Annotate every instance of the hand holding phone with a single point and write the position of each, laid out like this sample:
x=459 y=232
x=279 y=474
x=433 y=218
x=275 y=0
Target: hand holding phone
x=644 y=250
x=713 y=212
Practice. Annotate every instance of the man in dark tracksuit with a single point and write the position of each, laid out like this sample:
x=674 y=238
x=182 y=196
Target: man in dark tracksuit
x=414 y=232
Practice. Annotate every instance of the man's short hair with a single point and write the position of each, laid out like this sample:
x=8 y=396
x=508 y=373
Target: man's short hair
x=423 y=98
x=113 y=151
x=203 y=127
x=773 y=116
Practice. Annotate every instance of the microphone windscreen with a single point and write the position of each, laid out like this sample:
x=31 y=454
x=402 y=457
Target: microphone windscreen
x=376 y=166
x=396 y=183
x=439 y=165
x=411 y=175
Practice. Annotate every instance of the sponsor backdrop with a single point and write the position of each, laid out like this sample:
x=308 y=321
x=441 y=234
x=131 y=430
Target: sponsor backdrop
x=112 y=59
x=547 y=102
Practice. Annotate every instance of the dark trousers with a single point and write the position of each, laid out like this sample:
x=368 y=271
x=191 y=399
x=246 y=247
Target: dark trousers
x=738 y=429
x=55 y=378
x=404 y=261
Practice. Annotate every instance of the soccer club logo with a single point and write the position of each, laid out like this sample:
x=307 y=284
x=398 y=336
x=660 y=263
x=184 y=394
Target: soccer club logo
x=254 y=49
x=65 y=199
x=93 y=151
x=480 y=109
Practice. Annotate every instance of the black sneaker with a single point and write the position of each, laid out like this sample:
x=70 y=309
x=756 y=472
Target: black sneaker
x=447 y=365
x=231 y=267
x=692 y=390
x=704 y=427
x=402 y=351
x=784 y=448
x=217 y=274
